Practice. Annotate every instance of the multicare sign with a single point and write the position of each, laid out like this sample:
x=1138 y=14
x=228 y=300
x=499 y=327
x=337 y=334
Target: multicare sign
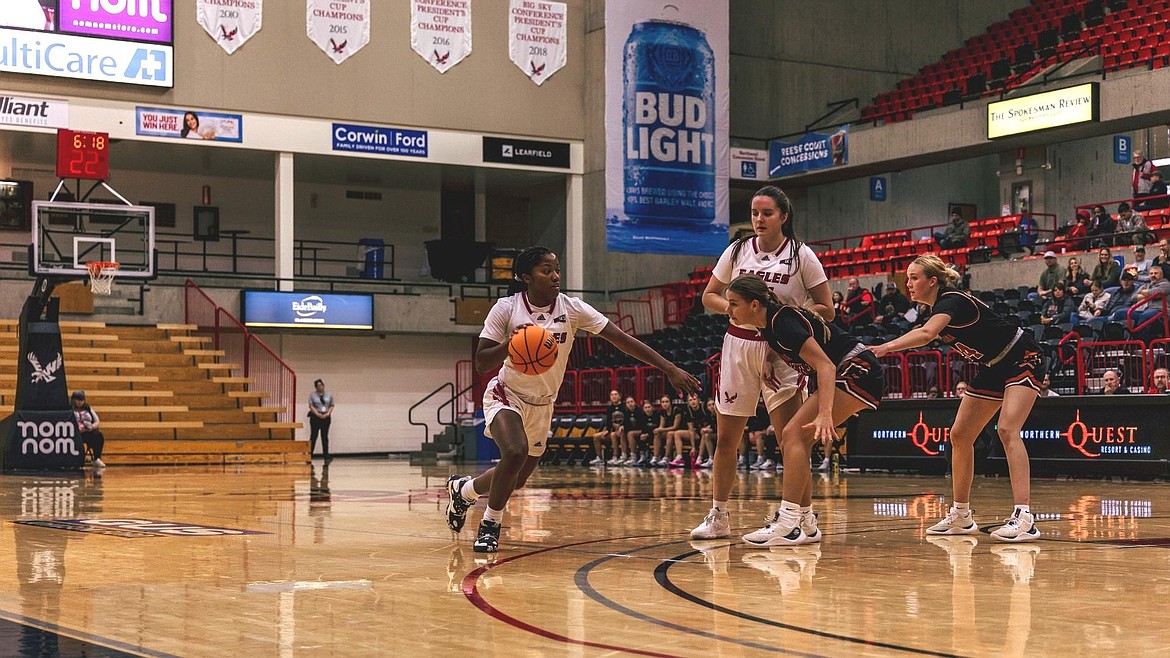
x=301 y=310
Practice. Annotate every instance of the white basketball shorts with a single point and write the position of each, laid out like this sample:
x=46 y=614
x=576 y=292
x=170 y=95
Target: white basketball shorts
x=741 y=379
x=537 y=419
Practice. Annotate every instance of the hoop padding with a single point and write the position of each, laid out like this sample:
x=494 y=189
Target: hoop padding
x=101 y=276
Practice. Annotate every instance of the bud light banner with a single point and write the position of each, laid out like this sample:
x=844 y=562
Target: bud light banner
x=536 y=37
x=440 y=31
x=809 y=153
x=666 y=121
x=306 y=310
x=340 y=28
x=230 y=22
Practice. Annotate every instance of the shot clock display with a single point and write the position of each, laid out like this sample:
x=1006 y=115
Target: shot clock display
x=83 y=155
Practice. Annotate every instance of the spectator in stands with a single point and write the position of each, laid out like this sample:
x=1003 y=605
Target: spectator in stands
x=956 y=234
x=1157 y=198
x=1141 y=264
x=1163 y=256
x=707 y=434
x=1046 y=387
x=1131 y=226
x=1052 y=275
x=838 y=307
x=892 y=305
x=1119 y=300
x=671 y=420
x=1101 y=228
x=1029 y=232
x=650 y=419
x=87 y=427
x=1093 y=303
x=858 y=304
x=1143 y=174
x=1158 y=382
x=1077 y=237
x=960 y=388
x=688 y=433
x=1107 y=272
x=1158 y=285
x=1057 y=307
x=631 y=430
x=1076 y=280
x=1111 y=384
x=932 y=392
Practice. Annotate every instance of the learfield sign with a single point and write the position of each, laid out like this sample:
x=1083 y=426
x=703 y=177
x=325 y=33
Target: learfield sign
x=306 y=310
x=1051 y=109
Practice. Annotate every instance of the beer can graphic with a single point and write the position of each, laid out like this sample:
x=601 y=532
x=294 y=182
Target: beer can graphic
x=668 y=121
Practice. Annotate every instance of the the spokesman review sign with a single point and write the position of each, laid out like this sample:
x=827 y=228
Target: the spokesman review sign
x=1051 y=109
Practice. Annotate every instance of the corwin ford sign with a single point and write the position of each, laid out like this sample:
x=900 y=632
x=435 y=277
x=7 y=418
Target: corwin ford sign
x=374 y=139
x=303 y=310
x=86 y=58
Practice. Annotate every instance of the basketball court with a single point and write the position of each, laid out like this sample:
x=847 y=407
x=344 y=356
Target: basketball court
x=357 y=561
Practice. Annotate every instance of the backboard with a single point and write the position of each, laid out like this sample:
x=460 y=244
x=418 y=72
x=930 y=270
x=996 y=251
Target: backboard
x=65 y=236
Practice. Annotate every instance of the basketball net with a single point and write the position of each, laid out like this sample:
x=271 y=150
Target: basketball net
x=101 y=276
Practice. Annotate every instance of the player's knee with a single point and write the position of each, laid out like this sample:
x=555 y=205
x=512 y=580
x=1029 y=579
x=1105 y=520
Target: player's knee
x=1008 y=434
x=513 y=449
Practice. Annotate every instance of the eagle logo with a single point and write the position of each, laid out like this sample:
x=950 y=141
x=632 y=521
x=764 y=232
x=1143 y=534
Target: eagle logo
x=728 y=399
x=537 y=71
x=442 y=59
x=338 y=47
x=46 y=374
x=227 y=36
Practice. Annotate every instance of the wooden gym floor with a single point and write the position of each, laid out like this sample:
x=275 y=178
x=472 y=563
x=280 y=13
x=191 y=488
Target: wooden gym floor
x=360 y=563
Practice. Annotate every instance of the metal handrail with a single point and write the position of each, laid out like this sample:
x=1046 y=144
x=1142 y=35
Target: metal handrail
x=426 y=427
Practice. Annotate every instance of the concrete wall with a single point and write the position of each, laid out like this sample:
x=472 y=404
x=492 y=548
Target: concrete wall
x=280 y=71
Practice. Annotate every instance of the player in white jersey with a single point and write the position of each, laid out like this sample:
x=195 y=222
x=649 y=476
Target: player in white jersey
x=747 y=367
x=518 y=408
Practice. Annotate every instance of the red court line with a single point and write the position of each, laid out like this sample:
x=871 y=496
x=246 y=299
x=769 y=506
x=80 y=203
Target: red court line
x=471 y=591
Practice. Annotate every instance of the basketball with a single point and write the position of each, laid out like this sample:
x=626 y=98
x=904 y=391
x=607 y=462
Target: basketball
x=533 y=350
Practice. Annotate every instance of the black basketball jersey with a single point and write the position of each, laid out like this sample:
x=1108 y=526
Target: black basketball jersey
x=789 y=327
x=974 y=330
x=693 y=416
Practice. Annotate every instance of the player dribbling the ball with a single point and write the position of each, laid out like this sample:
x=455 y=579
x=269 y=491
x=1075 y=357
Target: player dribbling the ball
x=518 y=408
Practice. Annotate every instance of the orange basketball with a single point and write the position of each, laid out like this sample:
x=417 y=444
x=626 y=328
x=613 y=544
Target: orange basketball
x=533 y=350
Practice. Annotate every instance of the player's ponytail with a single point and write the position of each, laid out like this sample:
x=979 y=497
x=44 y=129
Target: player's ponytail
x=522 y=264
x=932 y=266
x=752 y=288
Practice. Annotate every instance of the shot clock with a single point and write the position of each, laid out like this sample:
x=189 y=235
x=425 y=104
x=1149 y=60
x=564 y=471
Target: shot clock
x=83 y=155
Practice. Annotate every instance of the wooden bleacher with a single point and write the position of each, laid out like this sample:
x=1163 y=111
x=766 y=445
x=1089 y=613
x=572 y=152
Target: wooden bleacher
x=164 y=397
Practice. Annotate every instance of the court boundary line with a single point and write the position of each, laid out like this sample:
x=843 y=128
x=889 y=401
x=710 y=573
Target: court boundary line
x=50 y=627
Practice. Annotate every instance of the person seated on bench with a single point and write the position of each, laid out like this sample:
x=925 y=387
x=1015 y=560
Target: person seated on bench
x=87 y=426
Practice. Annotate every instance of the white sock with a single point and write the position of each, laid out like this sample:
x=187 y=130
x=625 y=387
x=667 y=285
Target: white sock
x=468 y=490
x=1022 y=508
x=805 y=509
x=493 y=515
x=790 y=511
x=965 y=508
x=719 y=505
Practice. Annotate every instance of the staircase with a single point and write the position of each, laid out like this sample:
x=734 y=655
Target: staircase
x=163 y=397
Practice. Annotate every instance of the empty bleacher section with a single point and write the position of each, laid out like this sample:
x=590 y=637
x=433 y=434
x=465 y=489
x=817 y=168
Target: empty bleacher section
x=163 y=396
x=1032 y=40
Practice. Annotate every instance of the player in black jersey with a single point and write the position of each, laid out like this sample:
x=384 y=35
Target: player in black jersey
x=1010 y=369
x=804 y=341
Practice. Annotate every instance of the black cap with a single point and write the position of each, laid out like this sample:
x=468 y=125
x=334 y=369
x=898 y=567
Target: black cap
x=1128 y=276
x=78 y=395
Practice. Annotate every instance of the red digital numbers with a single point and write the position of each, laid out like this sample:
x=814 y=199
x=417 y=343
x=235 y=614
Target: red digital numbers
x=83 y=155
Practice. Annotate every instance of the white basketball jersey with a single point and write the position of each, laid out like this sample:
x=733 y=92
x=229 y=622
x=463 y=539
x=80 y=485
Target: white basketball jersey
x=789 y=279
x=562 y=320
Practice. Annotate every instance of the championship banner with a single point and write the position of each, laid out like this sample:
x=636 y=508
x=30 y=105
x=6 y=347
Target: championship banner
x=440 y=31
x=338 y=27
x=666 y=123
x=811 y=152
x=536 y=37
x=179 y=124
x=230 y=22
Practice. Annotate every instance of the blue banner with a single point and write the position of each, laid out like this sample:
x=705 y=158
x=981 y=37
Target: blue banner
x=374 y=139
x=1122 y=149
x=811 y=152
x=301 y=310
x=189 y=124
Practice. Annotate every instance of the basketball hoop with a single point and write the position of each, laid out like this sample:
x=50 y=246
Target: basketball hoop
x=101 y=276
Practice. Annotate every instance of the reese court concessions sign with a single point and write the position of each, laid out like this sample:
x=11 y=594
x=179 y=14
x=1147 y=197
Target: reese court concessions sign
x=1051 y=109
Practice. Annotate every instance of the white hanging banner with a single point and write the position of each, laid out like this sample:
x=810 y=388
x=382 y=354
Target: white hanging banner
x=339 y=27
x=536 y=37
x=440 y=31
x=230 y=22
